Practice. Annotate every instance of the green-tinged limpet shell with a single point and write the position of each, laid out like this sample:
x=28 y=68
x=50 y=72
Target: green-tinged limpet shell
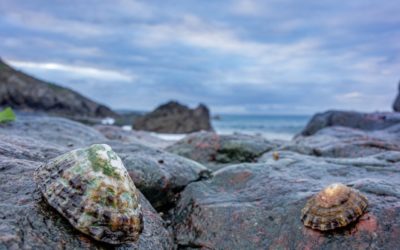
x=335 y=206
x=92 y=189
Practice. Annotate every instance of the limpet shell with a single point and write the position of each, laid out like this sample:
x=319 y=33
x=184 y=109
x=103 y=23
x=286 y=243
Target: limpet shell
x=92 y=189
x=335 y=206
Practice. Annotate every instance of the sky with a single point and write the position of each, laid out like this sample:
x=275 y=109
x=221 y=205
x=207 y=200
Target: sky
x=236 y=56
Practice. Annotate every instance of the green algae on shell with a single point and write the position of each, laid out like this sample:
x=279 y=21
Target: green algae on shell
x=92 y=189
x=335 y=206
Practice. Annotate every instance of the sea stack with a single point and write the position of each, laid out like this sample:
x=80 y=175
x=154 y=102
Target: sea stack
x=175 y=118
x=396 y=104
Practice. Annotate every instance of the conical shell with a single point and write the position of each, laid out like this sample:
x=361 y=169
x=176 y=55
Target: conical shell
x=335 y=206
x=92 y=189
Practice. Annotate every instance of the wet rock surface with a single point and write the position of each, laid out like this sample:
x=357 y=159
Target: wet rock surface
x=209 y=147
x=347 y=142
x=56 y=131
x=252 y=200
x=27 y=222
x=175 y=118
x=258 y=205
x=158 y=174
x=139 y=137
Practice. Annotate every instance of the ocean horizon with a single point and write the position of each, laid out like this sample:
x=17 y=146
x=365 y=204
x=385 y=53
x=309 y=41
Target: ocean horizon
x=282 y=127
x=278 y=127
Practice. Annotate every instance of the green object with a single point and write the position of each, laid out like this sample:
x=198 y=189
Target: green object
x=7 y=115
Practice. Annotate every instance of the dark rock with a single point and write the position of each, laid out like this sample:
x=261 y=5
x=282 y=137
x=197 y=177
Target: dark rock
x=127 y=117
x=58 y=131
x=20 y=147
x=347 y=142
x=363 y=121
x=27 y=222
x=176 y=118
x=396 y=104
x=157 y=174
x=142 y=137
x=208 y=147
x=258 y=205
x=21 y=91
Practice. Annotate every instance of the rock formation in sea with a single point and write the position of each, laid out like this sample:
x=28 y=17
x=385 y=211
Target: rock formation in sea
x=23 y=92
x=176 y=118
x=396 y=104
x=351 y=119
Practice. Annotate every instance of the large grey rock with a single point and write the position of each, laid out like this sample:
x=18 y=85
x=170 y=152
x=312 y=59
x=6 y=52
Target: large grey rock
x=27 y=222
x=116 y=133
x=258 y=205
x=22 y=91
x=347 y=142
x=159 y=175
x=209 y=147
x=174 y=117
x=59 y=131
x=351 y=119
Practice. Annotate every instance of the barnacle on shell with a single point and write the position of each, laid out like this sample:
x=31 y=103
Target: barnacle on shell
x=91 y=188
x=335 y=206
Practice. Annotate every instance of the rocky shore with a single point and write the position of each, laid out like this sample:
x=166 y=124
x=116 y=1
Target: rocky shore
x=210 y=191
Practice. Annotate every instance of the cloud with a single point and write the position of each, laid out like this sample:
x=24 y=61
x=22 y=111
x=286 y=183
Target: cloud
x=78 y=71
x=246 y=7
x=49 y=23
x=195 y=32
x=50 y=46
x=349 y=96
x=246 y=56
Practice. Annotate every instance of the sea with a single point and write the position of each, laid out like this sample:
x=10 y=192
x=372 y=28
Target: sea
x=278 y=127
x=282 y=127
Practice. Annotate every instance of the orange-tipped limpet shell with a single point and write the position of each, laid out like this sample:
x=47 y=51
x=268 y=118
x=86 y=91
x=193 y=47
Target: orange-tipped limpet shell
x=335 y=206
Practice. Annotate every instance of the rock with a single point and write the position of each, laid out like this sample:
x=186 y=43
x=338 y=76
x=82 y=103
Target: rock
x=396 y=104
x=175 y=118
x=21 y=91
x=20 y=147
x=208 y=147
x=347 y=142
x=138 y=137
x=253 y=205
x=59 y=131
x=351 y=119
x=27 y=222
x=127 y=117
x=157 y=174
x=258 y=205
